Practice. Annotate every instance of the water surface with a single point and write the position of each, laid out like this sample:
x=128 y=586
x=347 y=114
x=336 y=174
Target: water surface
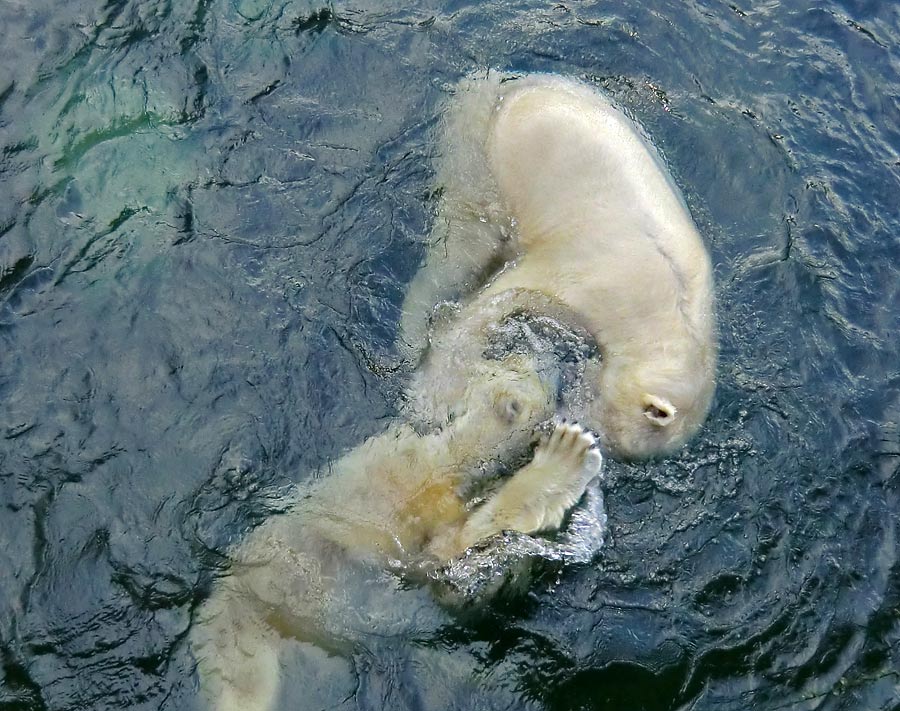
x=209 y=212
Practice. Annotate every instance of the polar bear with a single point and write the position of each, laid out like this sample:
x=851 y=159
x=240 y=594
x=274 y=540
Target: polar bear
x=553 y=205
x=399 y=499
x=547 y=187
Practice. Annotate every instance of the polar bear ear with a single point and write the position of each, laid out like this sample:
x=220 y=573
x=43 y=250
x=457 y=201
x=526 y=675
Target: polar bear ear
x=658 y=410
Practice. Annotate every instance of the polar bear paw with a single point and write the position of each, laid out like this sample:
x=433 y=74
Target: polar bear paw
x=537 y=497
x=558 y=474
x=571 y=446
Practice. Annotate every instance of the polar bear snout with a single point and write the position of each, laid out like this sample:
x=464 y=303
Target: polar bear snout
x=658 y=410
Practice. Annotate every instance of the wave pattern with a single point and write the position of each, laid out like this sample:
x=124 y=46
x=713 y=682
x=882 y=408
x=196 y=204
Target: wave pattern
x=209 y=211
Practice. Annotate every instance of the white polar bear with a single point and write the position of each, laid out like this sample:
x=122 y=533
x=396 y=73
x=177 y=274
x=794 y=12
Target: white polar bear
x=397 y=500
x=547 y=187
x=552 y=205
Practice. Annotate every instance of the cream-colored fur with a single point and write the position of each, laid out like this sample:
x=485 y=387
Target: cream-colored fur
x=548 y=188
x=397 y=500
x=553 y=204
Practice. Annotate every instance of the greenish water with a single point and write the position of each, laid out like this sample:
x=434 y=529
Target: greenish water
x=209 y=212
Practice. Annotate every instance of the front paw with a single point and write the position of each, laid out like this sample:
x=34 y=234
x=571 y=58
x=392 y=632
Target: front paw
x=571 y=446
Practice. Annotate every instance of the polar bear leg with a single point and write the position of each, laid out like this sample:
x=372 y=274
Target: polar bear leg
x=537 y=497
x=235 y=654
x=462 y=256
x=473 y=234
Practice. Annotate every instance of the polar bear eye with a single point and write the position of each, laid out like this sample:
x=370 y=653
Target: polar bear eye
x=509 y=409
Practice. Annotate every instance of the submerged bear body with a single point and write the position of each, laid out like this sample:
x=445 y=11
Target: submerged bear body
x=397 y=501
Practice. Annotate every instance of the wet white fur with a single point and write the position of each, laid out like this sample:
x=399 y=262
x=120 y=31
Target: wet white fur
x=543 y=175
x=548 y=187
x=396 y=499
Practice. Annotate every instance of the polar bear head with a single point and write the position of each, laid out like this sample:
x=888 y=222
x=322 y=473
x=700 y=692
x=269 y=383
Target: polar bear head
x=648 y=409
x=501 y=405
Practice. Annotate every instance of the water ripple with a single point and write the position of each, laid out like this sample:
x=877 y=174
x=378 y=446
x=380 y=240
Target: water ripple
x=209 y=211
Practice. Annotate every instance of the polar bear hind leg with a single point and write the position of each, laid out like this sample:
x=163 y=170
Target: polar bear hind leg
x=537 y=497
x=473 y=235
x=236 y=654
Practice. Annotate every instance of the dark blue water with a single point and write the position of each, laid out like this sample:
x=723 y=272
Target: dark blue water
x=209 y=212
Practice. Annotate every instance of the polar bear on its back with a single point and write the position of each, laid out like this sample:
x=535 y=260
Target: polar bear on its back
x=397 y=499
x=547 y=187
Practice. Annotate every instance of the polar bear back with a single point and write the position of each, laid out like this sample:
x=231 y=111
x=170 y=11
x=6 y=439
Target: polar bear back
x=557 y=142
x=601 y=226
x=553 y=138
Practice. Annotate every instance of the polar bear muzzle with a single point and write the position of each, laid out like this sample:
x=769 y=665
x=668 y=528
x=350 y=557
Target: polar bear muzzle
x=658 y=410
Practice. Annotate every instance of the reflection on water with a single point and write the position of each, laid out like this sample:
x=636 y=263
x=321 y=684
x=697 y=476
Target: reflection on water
x=209 y=213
